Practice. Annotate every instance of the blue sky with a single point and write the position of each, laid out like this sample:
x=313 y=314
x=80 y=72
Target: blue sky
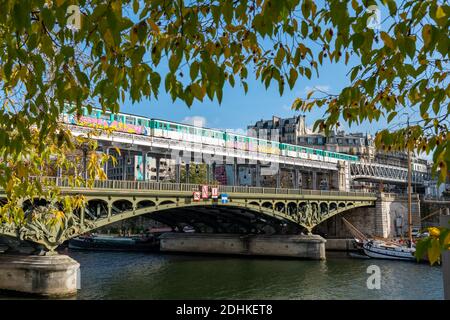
x=238 y=110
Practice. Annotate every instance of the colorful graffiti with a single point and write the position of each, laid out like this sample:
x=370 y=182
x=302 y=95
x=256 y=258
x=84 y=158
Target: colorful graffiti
x=105 y=124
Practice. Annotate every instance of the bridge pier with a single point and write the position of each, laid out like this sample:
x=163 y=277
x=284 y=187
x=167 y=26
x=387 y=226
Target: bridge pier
x=50 y=276
x=188 y=172
x=158 y=165
x=258 y=175
x=290 y=246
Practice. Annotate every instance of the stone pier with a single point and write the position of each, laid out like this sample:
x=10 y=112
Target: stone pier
x=50 y=276
x=292 y=246
x=387 y=219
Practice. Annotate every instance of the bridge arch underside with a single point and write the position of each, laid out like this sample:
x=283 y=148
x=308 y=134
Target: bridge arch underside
x=252 y=216
x=268 y=216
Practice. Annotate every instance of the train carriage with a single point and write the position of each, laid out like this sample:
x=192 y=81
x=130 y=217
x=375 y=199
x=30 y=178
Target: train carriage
x=171 y=130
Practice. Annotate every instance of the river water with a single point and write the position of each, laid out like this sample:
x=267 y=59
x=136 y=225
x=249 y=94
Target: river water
x=121 y=275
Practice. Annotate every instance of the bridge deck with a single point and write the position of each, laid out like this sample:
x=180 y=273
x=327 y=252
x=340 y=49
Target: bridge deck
x=148 y=187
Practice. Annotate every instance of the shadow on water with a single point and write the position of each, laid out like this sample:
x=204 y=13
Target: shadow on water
x=133 y=275
x=120 y=275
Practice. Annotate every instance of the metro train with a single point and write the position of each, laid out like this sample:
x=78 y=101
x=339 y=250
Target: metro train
x=128 y=123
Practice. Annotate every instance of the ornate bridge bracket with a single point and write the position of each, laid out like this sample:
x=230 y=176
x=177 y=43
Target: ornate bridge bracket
x=47 y=232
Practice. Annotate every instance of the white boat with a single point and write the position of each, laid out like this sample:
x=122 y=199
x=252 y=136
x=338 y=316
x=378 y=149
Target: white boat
x=386 y=250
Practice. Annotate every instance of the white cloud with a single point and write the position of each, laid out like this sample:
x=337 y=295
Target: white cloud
x=240 y=131
x=197 y=121
x=319 y=88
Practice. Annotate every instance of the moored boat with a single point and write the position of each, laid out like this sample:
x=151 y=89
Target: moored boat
x=113 y=243
x=386 y=250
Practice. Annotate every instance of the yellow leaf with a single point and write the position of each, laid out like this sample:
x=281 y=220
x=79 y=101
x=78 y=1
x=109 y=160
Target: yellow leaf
x=153 y=25
x=440 y=12
x=434 y=251
x=434 y=232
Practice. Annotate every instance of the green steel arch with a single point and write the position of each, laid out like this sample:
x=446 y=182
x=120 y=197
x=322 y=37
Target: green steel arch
x=112 y=201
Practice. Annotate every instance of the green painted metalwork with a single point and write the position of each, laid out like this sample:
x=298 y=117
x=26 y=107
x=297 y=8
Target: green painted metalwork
x=119 y=200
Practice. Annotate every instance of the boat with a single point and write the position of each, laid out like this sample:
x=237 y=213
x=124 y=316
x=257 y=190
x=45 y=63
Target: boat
x=388 y=250
x=147 y=242
x=384 y=249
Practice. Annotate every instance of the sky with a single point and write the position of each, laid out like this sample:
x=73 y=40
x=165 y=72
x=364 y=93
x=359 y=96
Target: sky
x=238 y=110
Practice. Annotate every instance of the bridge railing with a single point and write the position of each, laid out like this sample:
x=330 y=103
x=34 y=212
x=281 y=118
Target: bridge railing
x=190 y=187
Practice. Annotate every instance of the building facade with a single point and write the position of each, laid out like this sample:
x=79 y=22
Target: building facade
x=131 y=167
x=284 y=130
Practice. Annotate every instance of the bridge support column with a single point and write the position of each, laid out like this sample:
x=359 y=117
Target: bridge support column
x=314 y=180
x=208 y=174
x=188 y=172
x=235 y=173
x=158 y=165
x=278 y=178
x=294 y=246
x=295 y=179
x=258 y=174
x=177 y=172
x=124 y=167
x=144 y=165
x=50 y=276
x=213 y=171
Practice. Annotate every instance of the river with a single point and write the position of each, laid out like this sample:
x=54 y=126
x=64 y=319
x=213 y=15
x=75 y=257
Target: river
x=121 y=275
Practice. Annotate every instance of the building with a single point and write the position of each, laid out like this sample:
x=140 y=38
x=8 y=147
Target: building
x=130 y=167
x=285 y=130
x=294 y=131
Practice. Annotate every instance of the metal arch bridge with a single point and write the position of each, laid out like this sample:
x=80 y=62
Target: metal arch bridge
x=358 y=170
x=110 y=201
x=385 y=173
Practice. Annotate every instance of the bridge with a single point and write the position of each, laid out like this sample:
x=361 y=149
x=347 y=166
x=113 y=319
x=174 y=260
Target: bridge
x=339 y=173
x=110 y=201
x=370 y=171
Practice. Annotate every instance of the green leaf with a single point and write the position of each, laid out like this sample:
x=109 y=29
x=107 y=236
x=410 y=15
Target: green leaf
x=174 y=62
x=387 y=40
x=197 y=91
x=308 y=73
x=426 y=34
x=280 y=56
x=304 y=29
x=358 y=40
x=391 y=116
x=293 y=75
x=194 y=70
